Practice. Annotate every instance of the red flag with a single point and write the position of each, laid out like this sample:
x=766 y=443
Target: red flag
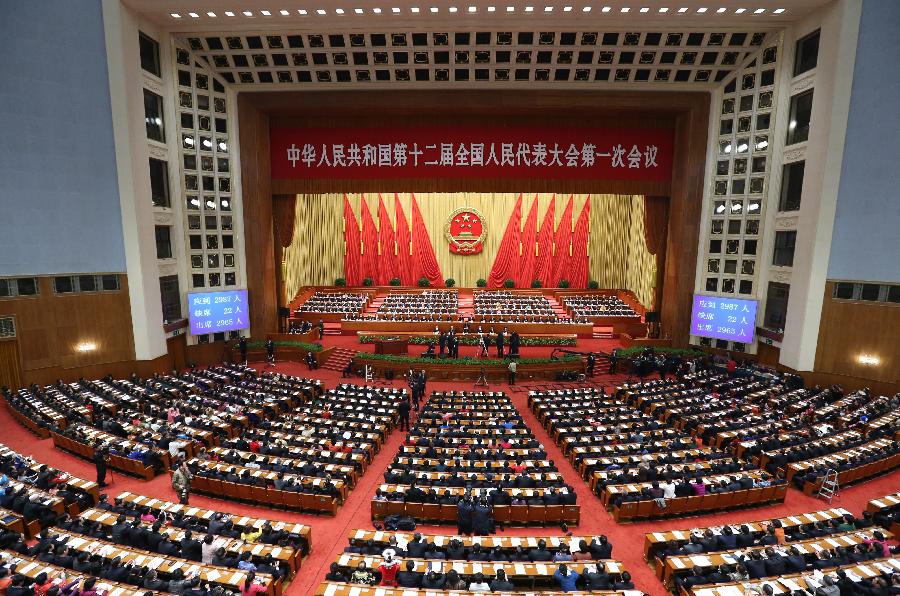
x=351 y=245
x=580 y=260
x=369 y=262
x=387 y=262
x=507 y=259
x=408 y=271
x=543 y=263
x=422 y=249
x=562 y=245
x=525 y=274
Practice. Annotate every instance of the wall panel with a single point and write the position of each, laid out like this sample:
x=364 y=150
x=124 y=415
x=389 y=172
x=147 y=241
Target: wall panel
x=851 y=328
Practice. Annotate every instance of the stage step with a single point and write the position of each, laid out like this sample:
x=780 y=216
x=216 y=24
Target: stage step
x=604 y=332
x=339 y=359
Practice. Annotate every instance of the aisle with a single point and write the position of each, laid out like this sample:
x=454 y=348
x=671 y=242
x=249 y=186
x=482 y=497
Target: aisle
x=329 y=535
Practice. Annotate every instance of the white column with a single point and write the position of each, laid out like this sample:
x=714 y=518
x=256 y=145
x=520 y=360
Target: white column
x=824 y=155
x=132 y=159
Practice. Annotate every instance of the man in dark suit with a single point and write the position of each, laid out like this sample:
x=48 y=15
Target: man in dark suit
x=540 y=554
x=409 y=578
x=501 y=339
x=775 y=563
x=190 y=548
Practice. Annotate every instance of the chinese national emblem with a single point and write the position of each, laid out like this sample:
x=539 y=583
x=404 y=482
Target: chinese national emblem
x=465 y=231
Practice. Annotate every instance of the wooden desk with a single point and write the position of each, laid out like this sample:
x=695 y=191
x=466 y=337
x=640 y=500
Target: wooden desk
x=656 y=540
x=391 y=346
x=338 y=589
x=243 y=522
x=31 y=568
x=787 y=584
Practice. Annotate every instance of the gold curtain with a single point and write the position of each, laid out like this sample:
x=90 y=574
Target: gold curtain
x=9 y=365
x=617 y=250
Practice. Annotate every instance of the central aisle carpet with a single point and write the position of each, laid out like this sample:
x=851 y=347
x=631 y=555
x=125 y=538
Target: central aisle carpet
x=329 y=535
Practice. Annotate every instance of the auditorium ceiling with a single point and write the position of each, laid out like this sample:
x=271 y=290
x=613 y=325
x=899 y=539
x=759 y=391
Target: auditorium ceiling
x=332 y=44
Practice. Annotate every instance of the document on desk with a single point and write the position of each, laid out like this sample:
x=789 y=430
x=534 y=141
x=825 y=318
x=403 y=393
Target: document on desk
x=701 y=561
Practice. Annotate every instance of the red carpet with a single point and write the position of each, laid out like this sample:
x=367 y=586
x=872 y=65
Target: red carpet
x=329 y=535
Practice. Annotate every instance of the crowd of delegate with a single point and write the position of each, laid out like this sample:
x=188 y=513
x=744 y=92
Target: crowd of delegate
x=598 y=305
x=333 y=303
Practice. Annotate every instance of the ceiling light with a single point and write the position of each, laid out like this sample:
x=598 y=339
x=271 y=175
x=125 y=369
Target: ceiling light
x=778 y=10
x=473 y=9
x=193 y=15
x=728 y=148
x=414 y=9
x=434 y=9
x=211 y=14
x=702 y=10
x=663 y=9
x=265 y=13
x=248 y=13
x=548 y=9
x=625 y=9
x=491 y=8
x=792 y=125
x=284 y=13
x=645 y=9
x=753 y=206
x=721 y=10
x=222 y=146
x=736 y=207
x=529 y=9
x=740 y=10
x=606 y=9
x=358 y=10
x=759 y=11
x=452 y=9
x=510 y=9
x=320 y=11
x=682 y=10
x=762 y=145
x=86 y=346
x=395 y=10
x=338 y=11
x=303 y=12
x=567 y=9
x=228 y=13
x=742 y=147
x=174 y=15
x=376 y=10
x=587 y=9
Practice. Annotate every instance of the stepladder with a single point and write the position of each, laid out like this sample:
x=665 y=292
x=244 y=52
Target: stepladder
x=829 y=488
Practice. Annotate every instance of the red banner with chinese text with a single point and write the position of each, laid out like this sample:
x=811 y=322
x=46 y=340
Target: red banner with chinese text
x=473 y=152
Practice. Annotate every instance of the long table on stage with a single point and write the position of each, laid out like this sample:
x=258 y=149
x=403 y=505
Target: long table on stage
x=427 y=327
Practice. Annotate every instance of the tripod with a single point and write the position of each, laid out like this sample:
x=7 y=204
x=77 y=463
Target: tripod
x=482 y=379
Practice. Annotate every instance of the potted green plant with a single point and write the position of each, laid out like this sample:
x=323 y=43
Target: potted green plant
x=564 y=283
x=367 y=281
x=395 y=281
x=424 y=283
x=509 y=283
x=593 y=284
x=449 y=282
x=536 y=283
x=340 y=282
x=481 y=283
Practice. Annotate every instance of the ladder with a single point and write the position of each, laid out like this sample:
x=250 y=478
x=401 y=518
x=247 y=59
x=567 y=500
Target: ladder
x=370 y=374
x=829 y=488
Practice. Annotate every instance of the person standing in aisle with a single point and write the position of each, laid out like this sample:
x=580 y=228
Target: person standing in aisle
x=404 y=414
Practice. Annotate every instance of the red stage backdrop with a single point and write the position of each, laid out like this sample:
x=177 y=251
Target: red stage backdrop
x=473 y=152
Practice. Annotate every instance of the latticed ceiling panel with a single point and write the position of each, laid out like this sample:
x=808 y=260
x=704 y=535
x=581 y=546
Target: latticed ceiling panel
x=692 y=57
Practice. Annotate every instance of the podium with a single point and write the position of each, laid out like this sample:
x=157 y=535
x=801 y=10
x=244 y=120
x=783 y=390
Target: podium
x=391 y=346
